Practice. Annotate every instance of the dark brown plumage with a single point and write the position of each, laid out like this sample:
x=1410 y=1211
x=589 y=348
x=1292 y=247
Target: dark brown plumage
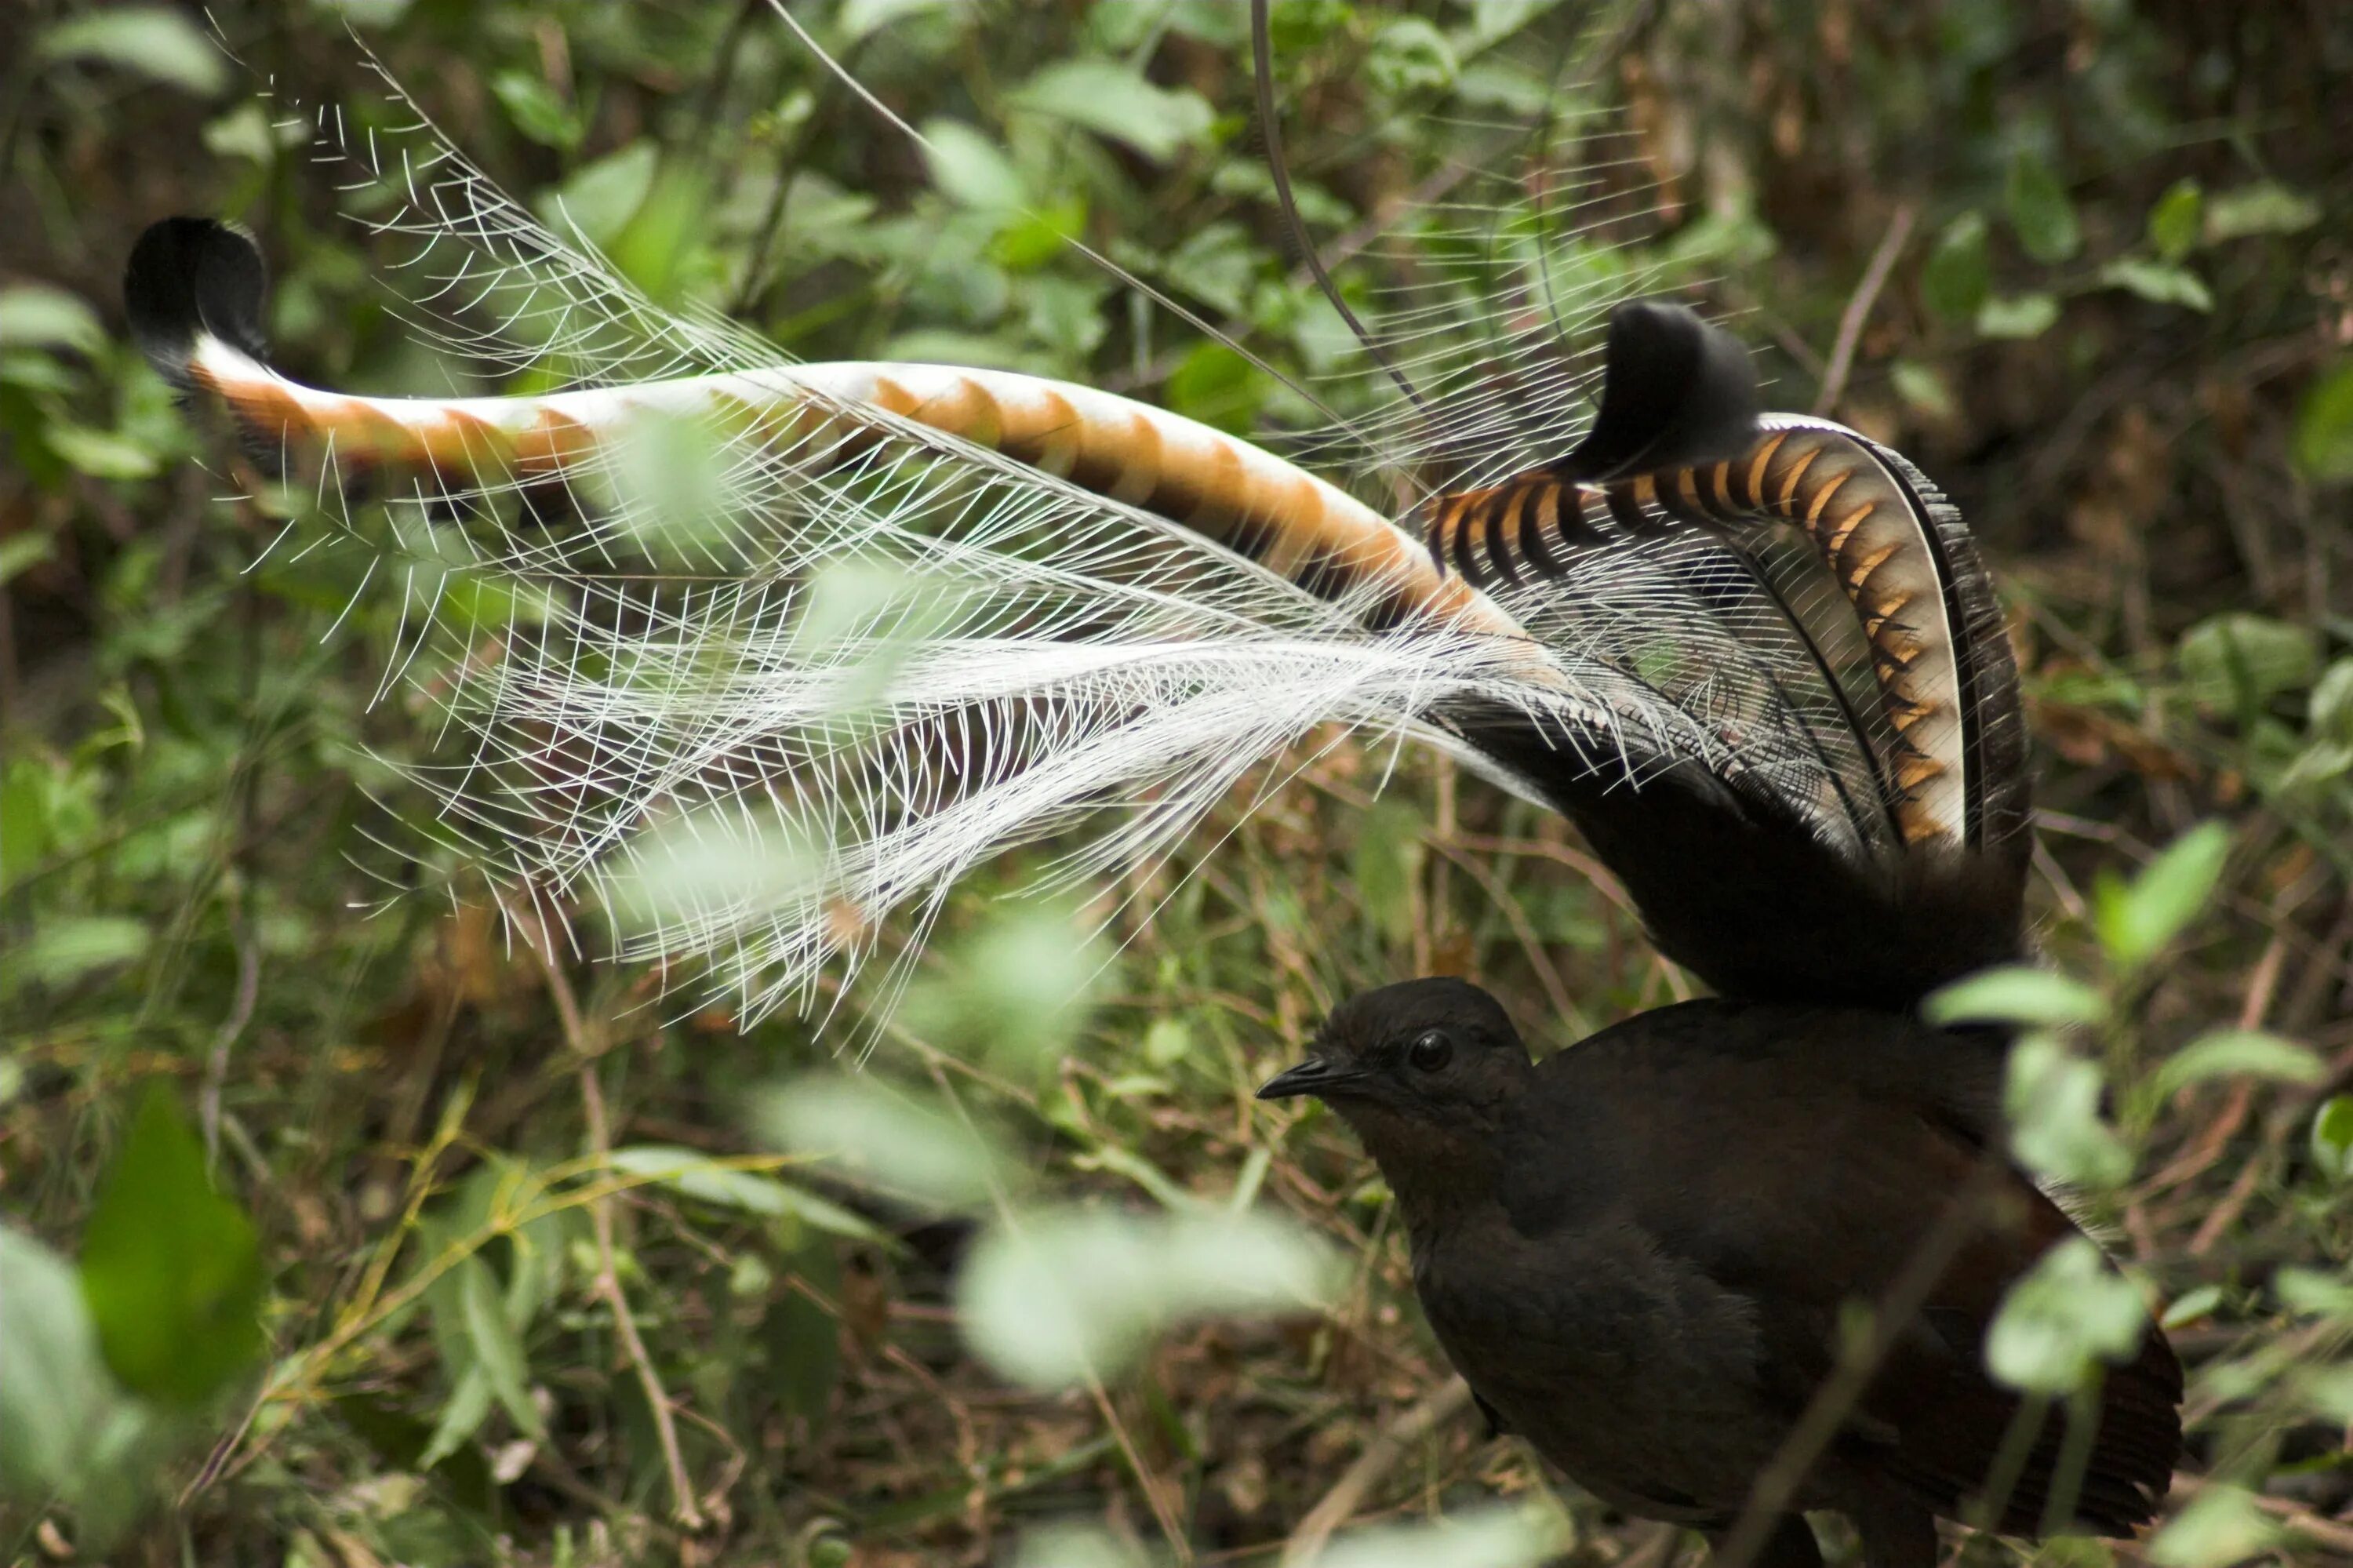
x=1638 y=1252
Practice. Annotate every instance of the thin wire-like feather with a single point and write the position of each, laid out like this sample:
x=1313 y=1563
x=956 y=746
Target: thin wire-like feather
x=753 y=655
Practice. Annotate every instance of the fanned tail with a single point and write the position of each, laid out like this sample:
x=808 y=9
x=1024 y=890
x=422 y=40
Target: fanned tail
x=752 y=654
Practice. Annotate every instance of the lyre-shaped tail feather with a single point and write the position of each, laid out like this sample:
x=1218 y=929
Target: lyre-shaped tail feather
x=1110 y=606
x=1732 y=868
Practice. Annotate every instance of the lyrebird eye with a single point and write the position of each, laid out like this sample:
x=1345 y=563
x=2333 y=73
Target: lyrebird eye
x=1430 y=1051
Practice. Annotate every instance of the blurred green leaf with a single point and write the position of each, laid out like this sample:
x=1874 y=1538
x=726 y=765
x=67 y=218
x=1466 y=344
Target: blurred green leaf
x=171 y=1269
x=971 y=170
x=1217 y=386
x=1112 y=101
x=860 y=19
x=2137 y=919
x=1017 y=992
x=102 y=454
x=69 y=1432
x=2176 y=221
x=882 y=1138
x=1409 y=55
x=1923 y=387
x=1959 y=274
x=2236 y=661
x=599 y=200
x=2191 y=1305
x=2332 y=1137
x=700 y=1177
x=2070 y=1312
x=2239 y=1053
x=2324 y=426
x=2039 y=210
x=2222 y=1524
x=2158 y=283
x=2016 y=994
x=1487 y=1537
x=34 y=316
x=57 y=1393
x=160 y=44
x=538 y=110
x=1055 y=1297
x=2330 y=711
x=2262 y=209
x=2053 y=1098
x=498 y=1344
x=2313 y=1292
x=2016 y=316
x=711 y=866
x=65 y=949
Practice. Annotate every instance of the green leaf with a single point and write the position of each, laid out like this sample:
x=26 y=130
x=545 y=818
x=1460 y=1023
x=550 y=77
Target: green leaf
x=1217 y=386
x=159 y=44
x=34 y=316
x=2222 y=1524
x=2328 y=715
x=1409 y=55
x=171 y=1269
x=1054 y=1298
x=2175 y=221
x=2324 y=426
x=57 y=1391
x=2266 y=208
x=497 y=1345
x=102 y=454
x=68 y=1434
x=2016 y=994
x=2238 y=662
x=1923 y=387
x=700 y=1177
x=2017 y=315
x=1017 y=992
x=538 y=110
x=1958 y=275
x=970 y=170
x=1114 y=101
x=2070 y=1312
x=2136 y=920
x=861 y=18
x=599 y=200
x=2158 y=283
x=2239 y=1053
x=2039 y=210
x=2191 y=1306
x=2053 y=1098
x=64 y=949
x=1490 y=1536
x=2313 y=1292
x=462 y=1414
x=884 y=1139
x=2332 y=1137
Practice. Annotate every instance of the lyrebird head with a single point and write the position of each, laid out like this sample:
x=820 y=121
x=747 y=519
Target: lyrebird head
x=1423 y=1071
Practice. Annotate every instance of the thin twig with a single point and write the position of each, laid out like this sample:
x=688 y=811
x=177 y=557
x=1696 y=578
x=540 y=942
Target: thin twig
x=607 y=1283
x=1381 y=1456
x=241 y=1014
x=1858 y=309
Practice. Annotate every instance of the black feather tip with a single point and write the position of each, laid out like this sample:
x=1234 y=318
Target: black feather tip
x=191 y=275
x=1674 y=392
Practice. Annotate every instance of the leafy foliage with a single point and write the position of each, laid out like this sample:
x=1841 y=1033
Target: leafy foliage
x=543 y=1274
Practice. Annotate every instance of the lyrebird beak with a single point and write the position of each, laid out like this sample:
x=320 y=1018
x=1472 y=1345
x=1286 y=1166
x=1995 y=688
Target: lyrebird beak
x=1317 y=1076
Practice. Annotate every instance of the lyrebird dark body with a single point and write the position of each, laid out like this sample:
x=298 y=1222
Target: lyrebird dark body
x=1640 y=1253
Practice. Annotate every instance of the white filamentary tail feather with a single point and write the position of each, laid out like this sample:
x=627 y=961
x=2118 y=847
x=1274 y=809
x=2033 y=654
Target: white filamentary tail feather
x=754 y=655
